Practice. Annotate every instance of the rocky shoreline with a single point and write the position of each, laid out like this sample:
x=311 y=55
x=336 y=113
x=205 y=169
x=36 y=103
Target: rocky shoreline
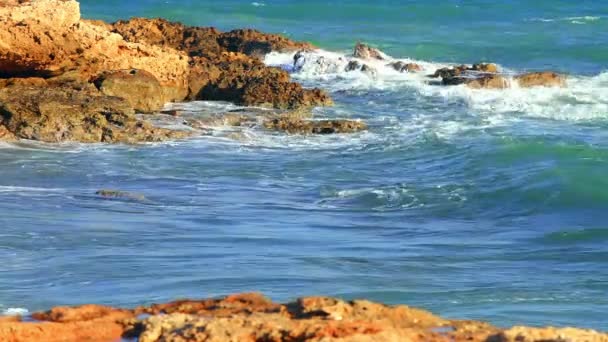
x=255 y=318
x=64 y=78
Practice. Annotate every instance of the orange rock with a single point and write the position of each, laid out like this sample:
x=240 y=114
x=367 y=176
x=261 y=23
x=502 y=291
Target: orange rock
x=541 y=79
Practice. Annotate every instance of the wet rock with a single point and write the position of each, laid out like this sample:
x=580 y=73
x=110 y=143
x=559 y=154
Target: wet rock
x=257 y=44
x=485 y=67
x=140 y=88
x=364 y=51
x=540 y=79
x=253 y=317
x=353 y=66
x=117 y=194
x=57 y=114
x=405 y=67
x=299 y=126
x=489 y=81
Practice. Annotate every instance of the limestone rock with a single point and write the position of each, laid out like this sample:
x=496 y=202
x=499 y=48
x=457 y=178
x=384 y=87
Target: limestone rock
x=139 y=87
x=65 y=114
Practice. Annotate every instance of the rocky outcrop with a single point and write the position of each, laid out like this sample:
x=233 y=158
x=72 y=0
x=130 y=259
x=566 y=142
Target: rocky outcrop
x=540 y=79
x=139 y=64
x=364 y=51
x=299 y=126
x=252 y=317
x=405 y=67
x=227 y=66
x=56 y=114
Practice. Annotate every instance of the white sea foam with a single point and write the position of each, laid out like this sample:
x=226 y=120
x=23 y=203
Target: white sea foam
x=15 y=312
x=574 y=20
x=585 y=98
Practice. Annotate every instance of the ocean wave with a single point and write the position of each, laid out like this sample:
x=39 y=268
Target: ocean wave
x=14 y=312
x=585 y=98
x=573 y=20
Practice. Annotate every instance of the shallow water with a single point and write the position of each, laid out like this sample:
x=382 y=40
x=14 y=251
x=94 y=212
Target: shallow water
x=471 y=203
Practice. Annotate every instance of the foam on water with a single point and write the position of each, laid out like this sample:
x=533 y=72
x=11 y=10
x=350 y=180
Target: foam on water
x=14 y=312
x=585 y=98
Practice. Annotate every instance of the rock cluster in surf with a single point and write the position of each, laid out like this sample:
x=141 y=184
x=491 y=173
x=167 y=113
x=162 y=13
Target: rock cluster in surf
x=63 y=78
x=252 y=317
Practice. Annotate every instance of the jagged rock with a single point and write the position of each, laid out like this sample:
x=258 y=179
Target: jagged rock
x=353 y=66
x=56 y=114
x=139 y=87
x=405 y=67
x=366 y=52
x=298 y=126
x=257 y=44
x=540 y=79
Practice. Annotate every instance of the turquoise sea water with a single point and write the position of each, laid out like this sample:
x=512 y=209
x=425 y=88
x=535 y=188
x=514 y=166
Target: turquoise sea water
x=477 y=204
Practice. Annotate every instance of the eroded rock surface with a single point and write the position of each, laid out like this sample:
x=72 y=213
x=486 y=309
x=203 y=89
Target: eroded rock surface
x=56 y=114
x=253 y=317
x=364 y=51
x=540 y=79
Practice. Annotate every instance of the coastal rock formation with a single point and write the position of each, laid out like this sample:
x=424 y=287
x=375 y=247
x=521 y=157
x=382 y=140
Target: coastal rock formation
x=253 y=317
x=82 y=79
x=299 y=126
x=227 y=66
x=364 y=51
x=55 y=114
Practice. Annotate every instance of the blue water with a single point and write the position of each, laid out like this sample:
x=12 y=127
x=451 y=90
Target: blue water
x=474 y=204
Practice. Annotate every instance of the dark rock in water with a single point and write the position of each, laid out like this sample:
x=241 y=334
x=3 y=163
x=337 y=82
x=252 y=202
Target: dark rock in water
x=366 y=52
x=477 y=76
x=405 y=67
x=139 y=87
x=353 y=66
x=117 y=194
x=541 y=79
x=299 y=126
x=59 y=114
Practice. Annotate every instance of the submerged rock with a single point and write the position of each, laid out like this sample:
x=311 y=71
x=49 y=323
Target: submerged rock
x=540 y=79
x=121 y=195
x=299 y=126
x=57 y=114
x=253 y=317
x=364 y=51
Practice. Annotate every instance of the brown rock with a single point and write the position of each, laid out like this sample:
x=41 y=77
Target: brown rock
x=46 y=38
x=65 y=114
x=258 y=44
x=488 y=81
x=140 y=88
x=485 y=67
x=541 y=79
x=121 y=195
x=299 y=126
x=364 y=51
x=254 y=318
x=405 y=67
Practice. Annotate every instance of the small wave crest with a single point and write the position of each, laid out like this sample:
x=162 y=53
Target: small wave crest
x=14 y=312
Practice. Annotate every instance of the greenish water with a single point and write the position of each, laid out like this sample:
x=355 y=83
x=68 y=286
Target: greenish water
x=471 y=203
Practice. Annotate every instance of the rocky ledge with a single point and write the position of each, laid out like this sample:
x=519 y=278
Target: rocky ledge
x=253 y=317
x=63 y=78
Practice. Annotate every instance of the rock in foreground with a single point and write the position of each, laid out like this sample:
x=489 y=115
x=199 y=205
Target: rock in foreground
x=300 y=126
x=252 y=317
